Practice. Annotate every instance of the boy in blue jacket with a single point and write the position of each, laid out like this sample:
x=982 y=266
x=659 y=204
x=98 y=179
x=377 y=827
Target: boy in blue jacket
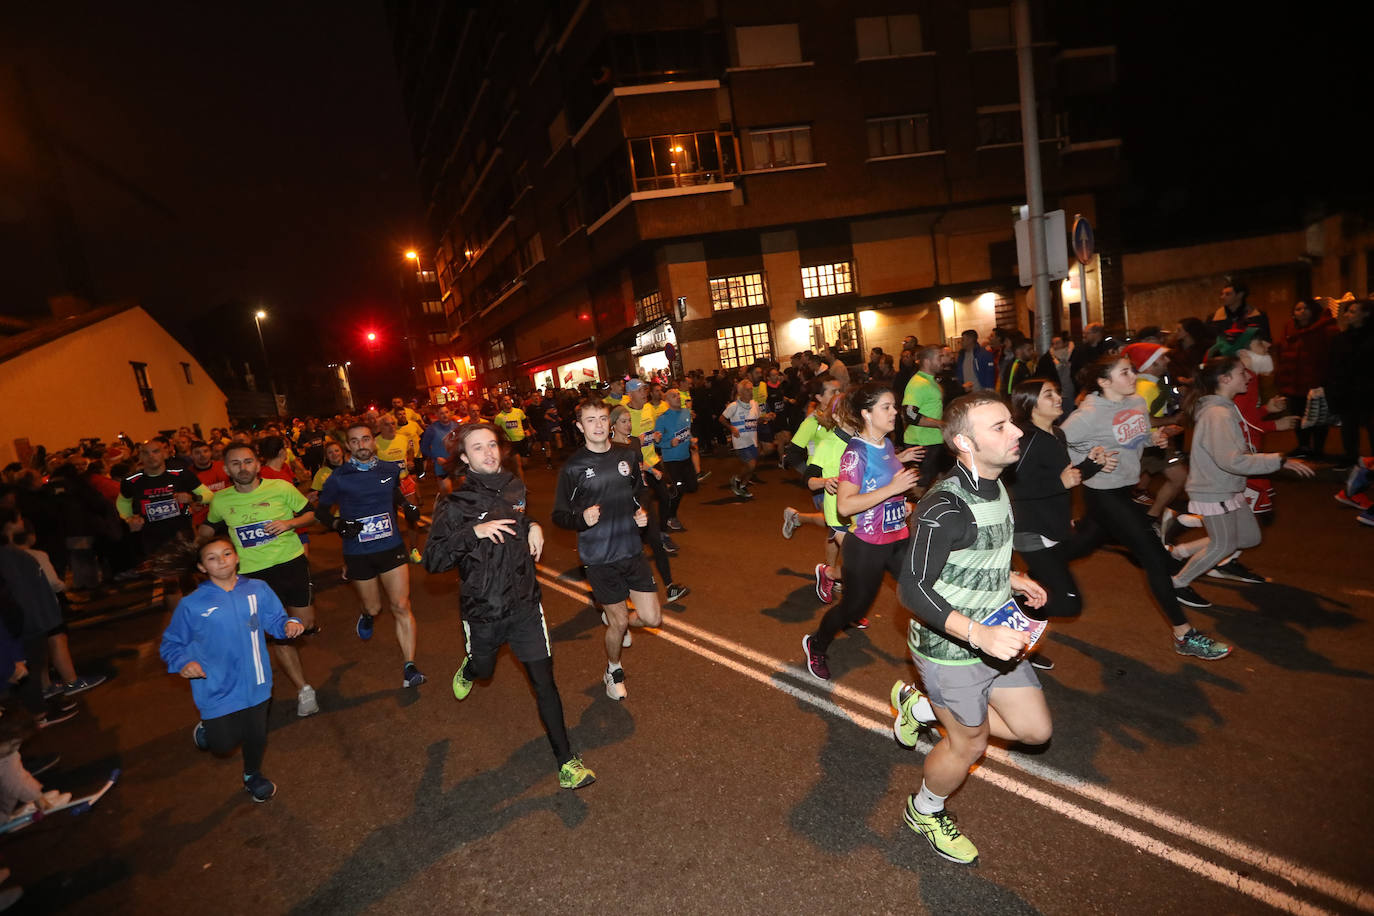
x=215 y=641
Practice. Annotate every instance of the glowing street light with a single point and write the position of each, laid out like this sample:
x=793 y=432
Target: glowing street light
x=258 y=318
x=412 y=255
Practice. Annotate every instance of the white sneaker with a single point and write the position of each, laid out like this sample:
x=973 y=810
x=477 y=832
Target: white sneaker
x=615 y=684
x=306 y=704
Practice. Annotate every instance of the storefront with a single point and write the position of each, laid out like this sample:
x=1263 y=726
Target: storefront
x=570 y=375
x=652 y=348
x=566 y=367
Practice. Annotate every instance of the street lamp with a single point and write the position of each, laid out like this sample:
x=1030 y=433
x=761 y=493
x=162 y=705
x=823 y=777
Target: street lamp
x=258 y=317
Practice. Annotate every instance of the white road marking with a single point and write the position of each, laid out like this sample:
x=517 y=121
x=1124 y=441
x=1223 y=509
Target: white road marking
x=1279 y=867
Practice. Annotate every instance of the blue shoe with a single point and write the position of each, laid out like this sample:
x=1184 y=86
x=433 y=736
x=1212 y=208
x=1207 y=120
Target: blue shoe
x=412 y=675
x=1366 y=518
x=260 y=787
x=364 y=627
x=199 y=737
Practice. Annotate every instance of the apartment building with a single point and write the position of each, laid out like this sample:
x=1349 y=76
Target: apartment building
x=615 y=186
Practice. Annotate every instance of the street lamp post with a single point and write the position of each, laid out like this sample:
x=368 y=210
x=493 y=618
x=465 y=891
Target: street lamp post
x=258 y=317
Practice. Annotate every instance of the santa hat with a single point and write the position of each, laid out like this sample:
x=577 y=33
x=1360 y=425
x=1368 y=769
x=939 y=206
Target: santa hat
x=1143 y=355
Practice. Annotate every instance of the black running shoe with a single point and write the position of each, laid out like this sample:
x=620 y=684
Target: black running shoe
x=1186 y=595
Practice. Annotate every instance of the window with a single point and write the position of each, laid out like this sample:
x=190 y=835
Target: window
x=607 y=184
x=186 y=371
x=496 y=353
x=826 y=331
x=999 y=124
x=650 y=308
x=888 y=36
x=531 y=252
x=443 y=365
x=145 y=390
x=899 y=136
x=432 y=307
x=778 y=148
x=990 y=28
x=661 y=56
x=680 y=160
x=569 y=216
x=765 y=45
x=744 y=345
x=739 y=292
x=438 y=337
x=827 y=280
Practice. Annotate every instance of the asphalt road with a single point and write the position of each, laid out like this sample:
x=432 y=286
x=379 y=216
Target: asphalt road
x=729 y=780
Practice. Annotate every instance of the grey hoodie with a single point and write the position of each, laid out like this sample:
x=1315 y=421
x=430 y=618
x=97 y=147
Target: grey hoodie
x=1118 y=426
x=1222 y=455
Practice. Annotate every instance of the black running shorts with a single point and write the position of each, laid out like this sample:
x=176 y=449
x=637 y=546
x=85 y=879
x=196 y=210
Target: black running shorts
x=363 y=566
x=290 y=581
x=525 y=631
x=612 y=582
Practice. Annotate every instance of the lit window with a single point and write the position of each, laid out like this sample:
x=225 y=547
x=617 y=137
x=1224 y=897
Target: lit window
x=827 y=280
x=888 y=36
x=432 y=307
x=899 y=136
x=496 y=353
x=990 y=28
x=443 y=365
x=778 y=148
x=833 y=329
x=650 y=308
x=763 y=45
x=743 y=291
x=680 y=160
x=438 y=337
x=744 y=345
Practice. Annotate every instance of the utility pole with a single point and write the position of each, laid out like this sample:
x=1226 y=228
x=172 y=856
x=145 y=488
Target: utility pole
x=1035 y=195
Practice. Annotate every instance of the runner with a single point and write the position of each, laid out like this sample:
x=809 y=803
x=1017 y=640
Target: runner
x=741 y=418
x=955 y=574
x=598 y=497
x=546 y=426
x=872 y=492
x=923 y=404
x=263 y=518
x=155 y=503
x=484 y=529
x=659 y=545
x=642 y=421
x=827 y=442
x=225 y=659
x=673 y=430
x=434 y=446
x=396 y=447
x=512 y=419
x=366 y=492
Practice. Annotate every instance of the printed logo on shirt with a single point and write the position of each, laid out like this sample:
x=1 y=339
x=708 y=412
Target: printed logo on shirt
x=624 y=468
x=519 y=507
x=1130 y=425
x=211 y=611
x=849 y=462
x=590 y=473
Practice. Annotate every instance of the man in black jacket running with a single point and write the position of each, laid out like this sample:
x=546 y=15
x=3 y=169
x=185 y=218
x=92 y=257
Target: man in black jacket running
x=483 y=529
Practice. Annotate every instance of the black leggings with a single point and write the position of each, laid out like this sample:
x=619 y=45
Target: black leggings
x=1050 y=568
x=665 y=493
x=652 y=535
x=247 y=727
x=1125 y=521
x=540 y=673
x=863 y=576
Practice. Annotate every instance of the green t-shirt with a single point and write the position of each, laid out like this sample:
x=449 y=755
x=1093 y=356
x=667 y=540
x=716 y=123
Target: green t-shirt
x=245 y=514
x=805 y=436
x=829 y=451
x=513 y=422
x=924 y=392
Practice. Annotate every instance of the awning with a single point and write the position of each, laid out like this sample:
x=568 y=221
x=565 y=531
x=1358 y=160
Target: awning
x=555 y=357
x=843 y=304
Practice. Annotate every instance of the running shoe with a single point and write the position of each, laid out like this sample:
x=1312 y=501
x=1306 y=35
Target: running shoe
x=412 y=676
x=1166 y=526
x=575 y=774
x=815 y=661
x=54 y=717
x=670 y=545
x=703 y=475
x=306 y=704
x=461 y=685
x=615 y=684
x=824 y=584
x=1143 y=497
x=1236 y=572
x=1186 y=595
x=677 y=592
x=861 y=623
x=791 y=521
x=674 y=525
x=1040 y=661
x=1204 y=647
x=906 y=728
x=415 y=555
x=941 y=833
x=260 y=787
x=201 y=739
x=52 y=690
x=1366 y=518
x=364 y=626
x=1357 y=479
x=738 y=488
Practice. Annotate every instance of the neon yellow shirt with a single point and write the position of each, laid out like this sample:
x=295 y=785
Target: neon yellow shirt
x=513 y=422
x=246 y=513
x=393 y=450
x=642 y=424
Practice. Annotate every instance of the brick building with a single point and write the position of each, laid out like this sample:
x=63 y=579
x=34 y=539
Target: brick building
x=608 y=178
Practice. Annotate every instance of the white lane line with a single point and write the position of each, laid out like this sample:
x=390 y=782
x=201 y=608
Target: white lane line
x=1278 y=866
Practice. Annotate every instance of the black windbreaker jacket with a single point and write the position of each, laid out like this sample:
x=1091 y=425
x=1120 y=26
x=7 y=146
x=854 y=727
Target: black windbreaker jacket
x=497 y=579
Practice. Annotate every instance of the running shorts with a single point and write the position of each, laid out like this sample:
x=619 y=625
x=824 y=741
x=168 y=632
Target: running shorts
x=964 y=689
x=683 y=474
x=290 y=581
x=521 y=447
x=748 y=453
x=765 y=431
x=525 y=631
x=612 y=582
x=363 y=566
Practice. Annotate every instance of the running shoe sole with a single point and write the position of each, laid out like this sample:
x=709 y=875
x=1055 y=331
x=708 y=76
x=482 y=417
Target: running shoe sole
x=1216 y=572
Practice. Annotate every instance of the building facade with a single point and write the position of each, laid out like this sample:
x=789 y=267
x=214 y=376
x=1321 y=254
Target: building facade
x=615 y=187
x=102 y=373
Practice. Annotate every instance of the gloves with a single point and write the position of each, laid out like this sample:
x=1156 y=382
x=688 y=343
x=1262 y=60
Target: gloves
x=412 y=513
x=348 y=527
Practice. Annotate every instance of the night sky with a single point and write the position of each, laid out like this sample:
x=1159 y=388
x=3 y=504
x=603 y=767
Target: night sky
x=262 y=158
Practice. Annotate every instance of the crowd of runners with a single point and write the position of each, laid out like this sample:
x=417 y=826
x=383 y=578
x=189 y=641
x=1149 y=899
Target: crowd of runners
x=937 y=467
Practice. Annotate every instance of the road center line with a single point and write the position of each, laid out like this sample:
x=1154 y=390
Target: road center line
x=1278 y=866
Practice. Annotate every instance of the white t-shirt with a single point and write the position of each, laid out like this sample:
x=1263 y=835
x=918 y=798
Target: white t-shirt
x=744 y=417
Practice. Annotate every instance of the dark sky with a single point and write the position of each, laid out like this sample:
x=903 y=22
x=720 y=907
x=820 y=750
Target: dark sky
x=271 y=138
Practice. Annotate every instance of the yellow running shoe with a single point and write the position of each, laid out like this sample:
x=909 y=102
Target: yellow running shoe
x=939 y=830
x=574 y=774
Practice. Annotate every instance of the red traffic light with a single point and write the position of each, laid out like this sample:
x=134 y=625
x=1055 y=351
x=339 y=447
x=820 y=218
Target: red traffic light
x=371 y=335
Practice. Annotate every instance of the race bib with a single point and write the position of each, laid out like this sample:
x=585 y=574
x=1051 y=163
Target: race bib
x=512 y=424
x=253 y=535
x=894 y=515
x=647 y=439
x=161 y=510
x=682 y=435
x=375 y=527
